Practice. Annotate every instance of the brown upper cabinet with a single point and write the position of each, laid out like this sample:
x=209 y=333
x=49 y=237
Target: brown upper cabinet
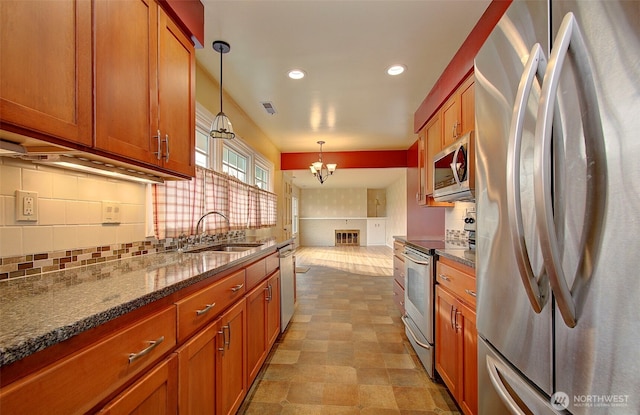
x=144 y=69
x=455 y=118
x=457 y=113
x=45 y=87
x=140 y=102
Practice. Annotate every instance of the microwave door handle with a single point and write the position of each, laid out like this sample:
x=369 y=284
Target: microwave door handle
x=569 y=35
x=536 y=288
x=453 y=165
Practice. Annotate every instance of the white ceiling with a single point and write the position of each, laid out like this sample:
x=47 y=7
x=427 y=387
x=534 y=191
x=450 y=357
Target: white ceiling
x=344 y=46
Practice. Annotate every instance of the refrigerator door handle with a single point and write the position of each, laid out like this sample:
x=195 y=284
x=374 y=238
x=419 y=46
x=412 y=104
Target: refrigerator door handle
x=517 y=395
x=536 y=289
x=569 y=34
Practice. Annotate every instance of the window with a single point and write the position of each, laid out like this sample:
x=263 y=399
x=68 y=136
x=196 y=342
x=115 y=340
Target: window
x=233 y=157
x=202 y=148
x=234 y=164
x=262 y=178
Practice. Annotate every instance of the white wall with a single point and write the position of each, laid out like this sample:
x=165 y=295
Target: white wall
x=70 y=209
x=396 y=210
x=333 y=203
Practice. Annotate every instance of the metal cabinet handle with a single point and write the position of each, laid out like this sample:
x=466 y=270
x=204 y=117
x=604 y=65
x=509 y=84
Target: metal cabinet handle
x=159 y=139
x=206 y=309
x=569 y=34
x=536 y=288
x=444 y=277
x=471 y=293
x=221 y=349
x=455 y=130
x=228 y=326
x=451 y=317
x=166 y=140
x=455 y=321
x=237 y=288
x=152 y=345
x=270 y=292
x=404 y=321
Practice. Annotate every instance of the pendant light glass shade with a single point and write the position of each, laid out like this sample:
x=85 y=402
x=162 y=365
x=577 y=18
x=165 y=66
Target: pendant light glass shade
x=221 y=126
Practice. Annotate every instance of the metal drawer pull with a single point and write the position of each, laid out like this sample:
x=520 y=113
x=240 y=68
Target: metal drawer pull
x=224 y=341
x=159 y=152
x=444 y=277
x=206 y=309
x=237 y=288
x=153 y=344
x=471 y=293
x=166 y=140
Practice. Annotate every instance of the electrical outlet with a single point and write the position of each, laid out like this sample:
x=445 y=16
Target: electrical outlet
x=110 y=212
x=26 y=206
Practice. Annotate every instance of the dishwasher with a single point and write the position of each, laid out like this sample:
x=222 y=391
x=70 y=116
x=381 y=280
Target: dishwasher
x=287 y=285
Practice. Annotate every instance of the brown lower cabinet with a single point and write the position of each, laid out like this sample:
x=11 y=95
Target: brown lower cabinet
x=456 y=336
x=155 y=393
x=171 y=361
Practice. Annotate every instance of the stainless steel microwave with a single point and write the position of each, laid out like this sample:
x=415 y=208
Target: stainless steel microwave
x=454 y=171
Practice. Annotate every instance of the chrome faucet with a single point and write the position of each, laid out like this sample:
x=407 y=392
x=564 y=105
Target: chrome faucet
x=199 y=236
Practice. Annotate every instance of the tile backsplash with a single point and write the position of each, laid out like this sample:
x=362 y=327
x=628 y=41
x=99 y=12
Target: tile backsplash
x=69 y=210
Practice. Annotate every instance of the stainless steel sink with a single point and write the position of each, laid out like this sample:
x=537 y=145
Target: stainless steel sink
x=229 y=248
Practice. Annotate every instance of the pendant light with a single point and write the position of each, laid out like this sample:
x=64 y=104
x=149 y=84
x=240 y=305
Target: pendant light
x=320 y=170
x=221 y=126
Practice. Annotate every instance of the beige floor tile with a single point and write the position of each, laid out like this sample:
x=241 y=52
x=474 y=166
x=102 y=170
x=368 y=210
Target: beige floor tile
x=285 y=356
x=271 y=391
x=305 y=393
x=341 y=374
x=373 y=376
x=377 y=396
x=340 y=394
x=409 y=398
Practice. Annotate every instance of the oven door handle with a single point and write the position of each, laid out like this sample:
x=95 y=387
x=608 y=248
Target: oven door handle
x=404 y=321
x=415 y=260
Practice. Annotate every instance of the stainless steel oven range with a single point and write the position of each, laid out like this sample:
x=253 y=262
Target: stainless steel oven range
x=419 y=296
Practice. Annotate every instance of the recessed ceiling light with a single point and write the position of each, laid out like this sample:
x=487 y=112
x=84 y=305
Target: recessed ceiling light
x=396 y=69
x=296 y=74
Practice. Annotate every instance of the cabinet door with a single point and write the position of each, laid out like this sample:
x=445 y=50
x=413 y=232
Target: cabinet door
x=126 y=60
x=231 y=376
x=447 y=344
x=469 y=393
x=52 y=98
x=256 y=329
x=450 y=114
x=422 y=167
x=273 y=309
x=156 y=393
x=197 y=372
x=467 y=105
x=434 y=145
x=176 y=97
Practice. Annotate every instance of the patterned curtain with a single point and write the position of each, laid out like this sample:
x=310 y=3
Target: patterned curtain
x=177 y=205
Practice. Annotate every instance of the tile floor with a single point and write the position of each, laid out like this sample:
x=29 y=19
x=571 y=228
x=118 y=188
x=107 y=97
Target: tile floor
x=345 y=352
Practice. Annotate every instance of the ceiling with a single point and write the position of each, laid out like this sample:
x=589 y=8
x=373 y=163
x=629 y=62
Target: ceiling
x=345 y=47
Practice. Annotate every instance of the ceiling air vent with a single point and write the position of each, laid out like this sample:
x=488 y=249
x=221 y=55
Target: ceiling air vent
x=268 y=106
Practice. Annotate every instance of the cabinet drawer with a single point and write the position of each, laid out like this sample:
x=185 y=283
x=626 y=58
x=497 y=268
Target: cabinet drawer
x=398 y=248
x=398 y=296
x=457 y=281
x=273 y=263
x=203 y=306
x=79 y=382
x=256 y=273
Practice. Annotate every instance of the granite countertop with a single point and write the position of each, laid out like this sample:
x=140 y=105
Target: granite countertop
x=42 y=310
x=464 y=256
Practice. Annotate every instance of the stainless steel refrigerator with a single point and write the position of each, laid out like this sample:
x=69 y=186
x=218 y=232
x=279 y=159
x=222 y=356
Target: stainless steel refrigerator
x=558 y=209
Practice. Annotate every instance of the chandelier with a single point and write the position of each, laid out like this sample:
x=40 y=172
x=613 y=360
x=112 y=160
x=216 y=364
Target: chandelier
x=320 y=170
x=221 y=126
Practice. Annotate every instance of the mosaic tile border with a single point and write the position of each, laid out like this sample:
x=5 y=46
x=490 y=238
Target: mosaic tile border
x=33 y=264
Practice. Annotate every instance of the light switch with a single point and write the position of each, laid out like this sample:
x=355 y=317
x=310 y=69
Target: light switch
x=26 y=206
x=111 y=212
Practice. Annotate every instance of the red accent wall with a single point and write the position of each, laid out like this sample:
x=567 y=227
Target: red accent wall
x=423 y=222
x=346 y=159
x=461 y=65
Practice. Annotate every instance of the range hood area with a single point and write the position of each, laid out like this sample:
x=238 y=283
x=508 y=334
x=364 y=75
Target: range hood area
x=46 y=154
